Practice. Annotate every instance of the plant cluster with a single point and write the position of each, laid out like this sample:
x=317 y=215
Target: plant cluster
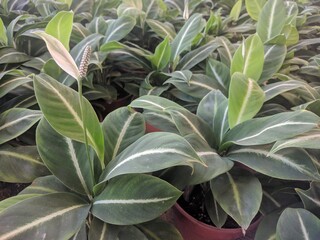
x=233 y=86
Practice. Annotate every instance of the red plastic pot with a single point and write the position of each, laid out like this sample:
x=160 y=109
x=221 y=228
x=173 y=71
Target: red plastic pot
x=192 y=229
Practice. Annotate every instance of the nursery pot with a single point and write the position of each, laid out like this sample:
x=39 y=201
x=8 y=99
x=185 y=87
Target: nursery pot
x=192 y=229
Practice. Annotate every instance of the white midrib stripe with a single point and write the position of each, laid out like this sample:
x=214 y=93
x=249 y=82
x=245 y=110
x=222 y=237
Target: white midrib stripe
x=36 y=222
x=20 y=156
x=299 y=139
x=227 y=49
x=121 y=135
x=163 y=29
x=281 y=86
x=11 y=53
x=201 y=154
x=303 y=228
x=103 y=231
x=191 y=125
x=317 y=202
x=277 y=157
x=73 y=113
x=151 y=103
x=115 y=30
x=201 y=85
x=132 y=201
x=245 y=102
x=246 y=62
x=161 y=57
x=270 y=26
x=79 y=6
x=217 y=76
x=149 y=152
x=223 y=122
x=79 y=30
x=182 y=38
x=195 y=56
x=74 y=160
x=9 y=124
x=274 y=126
x=235 y=190
x=15 y=79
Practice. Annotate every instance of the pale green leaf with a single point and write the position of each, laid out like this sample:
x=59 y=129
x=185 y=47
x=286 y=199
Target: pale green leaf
x=119 y=28
x=245 y=99
x=162 y=29
x=162 y=54
x=236 y=10
x=61 y=107
x=60 y=27
x=249 y=58
x=3 y=33
x=254 y=8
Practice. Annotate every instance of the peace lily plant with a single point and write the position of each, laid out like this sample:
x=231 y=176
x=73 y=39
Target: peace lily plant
x=101 y=184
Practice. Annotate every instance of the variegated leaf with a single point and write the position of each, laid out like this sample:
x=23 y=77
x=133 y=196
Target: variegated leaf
x=8 y=83
x=24 y=220
x=122 y=127
x=311 y=198
x=307 y=140
x=152 y=152
x=154 y=103
x=289 y=163
x=16 y=121
x=142 y=198
x=165 y=29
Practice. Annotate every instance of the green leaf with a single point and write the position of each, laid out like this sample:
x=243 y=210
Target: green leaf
x=307 y=140
x=60 y=27
x=10 y=55
x=267 y=227
x=162 y=54
x=163 y=29
x=60 y=54
x=216 y=213
x=298 y=224
x=226 y=50
x=153 y=103
x=100 y=230
x=122 y=127
x=272 y=128
x=20 y=164
x=8 y=202
x=152 y=152
x=119 y=28
x=60 y=106
x=310 y=198
x=271 y=20
x=249 y=58
x=185 y=36
x=196 y=56
x=16 y=121
x=213 y=109
x=254 y=8
x=3 y=33
x=292 y=35
x=76 y=172
x=236 y=10
x=8 y=83
x=239 y=195
x=38 y=217
x=142 y=198
x=274 y=56
x=245 y=99
x=159 y=229
x=219 y=72
x=274 y=89
x=289 y=163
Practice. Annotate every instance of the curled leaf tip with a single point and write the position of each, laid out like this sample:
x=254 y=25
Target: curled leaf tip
x=85 y=61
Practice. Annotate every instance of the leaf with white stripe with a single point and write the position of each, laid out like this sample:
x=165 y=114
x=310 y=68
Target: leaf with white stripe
x=245 y=99
x=189 y=123
x=275 y=89
x=16 y=121
x=274 y=56
x=271 y=20
x=298 y=224
x=196 y=56
x=38 y=217
x=187 y=33
x=254 y=8
x=100 y=230
x=249 y=58
x=20 y=164
x=226 y=50
x=60 y=27
x=162 y=29
x=75 y=173
x=142 y=198
x=198 y=86
x=122 y=127
x=161 y=56
x=119 y=28
x=152 y=152
x=289 y=163
x=307 y=140
x=153 y=103
x=9 y=83
x=239 y=195
x=220 y=73
x=311 y=198
x=60 y=106
x=213 y=109
x=267 y=227
x=3 y=33
x=9 y=202
x=272 y=128
x=10 y=55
